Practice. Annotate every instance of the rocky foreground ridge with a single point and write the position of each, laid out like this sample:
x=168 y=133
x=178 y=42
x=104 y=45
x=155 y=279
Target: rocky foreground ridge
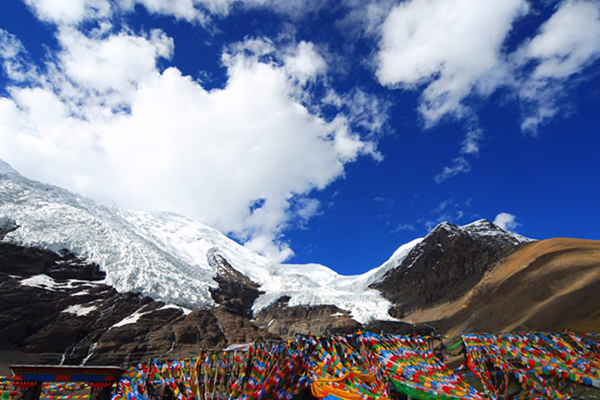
x=54 y=309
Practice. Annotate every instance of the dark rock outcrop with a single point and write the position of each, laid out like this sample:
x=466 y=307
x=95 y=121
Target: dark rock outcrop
x=400 y=328
x=445 y=265
x=53 y=310
x=288 y=322
x=235 y=292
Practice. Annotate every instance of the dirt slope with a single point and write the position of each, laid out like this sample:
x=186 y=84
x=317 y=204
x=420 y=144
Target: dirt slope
x=552 y=285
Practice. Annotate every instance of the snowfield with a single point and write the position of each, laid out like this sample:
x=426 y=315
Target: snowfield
x=164 y=255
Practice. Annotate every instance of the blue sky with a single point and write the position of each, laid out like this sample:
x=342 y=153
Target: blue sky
x=312 y=131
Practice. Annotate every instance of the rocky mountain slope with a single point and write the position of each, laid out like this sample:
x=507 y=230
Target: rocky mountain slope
x=549 y=285
x=446 y=264
x=85 y=283
x=169 y=257
x=54 y=309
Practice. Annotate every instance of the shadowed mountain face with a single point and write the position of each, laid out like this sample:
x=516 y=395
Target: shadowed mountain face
x=448 y=263
x=53 y=310
x=549 y=285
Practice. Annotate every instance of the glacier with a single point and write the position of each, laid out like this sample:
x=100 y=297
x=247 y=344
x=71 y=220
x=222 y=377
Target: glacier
x=164 y=256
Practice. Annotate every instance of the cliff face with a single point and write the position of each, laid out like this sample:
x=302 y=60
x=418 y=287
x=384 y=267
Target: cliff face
x=290 y=321
x=236 y=292
x=54 y=310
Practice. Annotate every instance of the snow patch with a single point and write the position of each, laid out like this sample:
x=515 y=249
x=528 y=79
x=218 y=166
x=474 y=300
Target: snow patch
x=90 y=353
x=484 y=227
x=132 y=319
x=42 y=281
x=79 y=310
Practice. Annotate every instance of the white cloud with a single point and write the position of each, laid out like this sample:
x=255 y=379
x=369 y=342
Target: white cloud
x=470 y=146
x=452 y=47
x=565 y=45
x=187 y=10
x=404 y=227
x=14 y=63
x=471 y=142
x=304 y=63
x=567 y=42
x=106 y=122
x=72 y=12
x=113 y=66
x=453 y=50
x=458 y=166
x=365 y=17
x=69 y=11
x=506 y=221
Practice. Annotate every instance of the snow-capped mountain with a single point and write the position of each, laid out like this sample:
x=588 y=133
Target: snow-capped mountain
x=172 y=258
x=62 y=256
x=167 y=256
x=449 y=261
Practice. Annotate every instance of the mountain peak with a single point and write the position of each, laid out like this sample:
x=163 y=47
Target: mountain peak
x=482 y=229
x=7 y=169
x=446 y=264
x=483 y=223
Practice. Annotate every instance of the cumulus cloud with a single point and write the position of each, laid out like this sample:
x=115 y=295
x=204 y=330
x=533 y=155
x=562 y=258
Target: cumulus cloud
x=105 y=121
x=458 y=166
x=304 y=63
x=69 y=11
x=453 y=48
x=453 y=51
x=564 y=46
x=506 y=221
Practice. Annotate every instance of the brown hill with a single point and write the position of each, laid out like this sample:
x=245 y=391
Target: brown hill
x=550 y=285
x=446 y=265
